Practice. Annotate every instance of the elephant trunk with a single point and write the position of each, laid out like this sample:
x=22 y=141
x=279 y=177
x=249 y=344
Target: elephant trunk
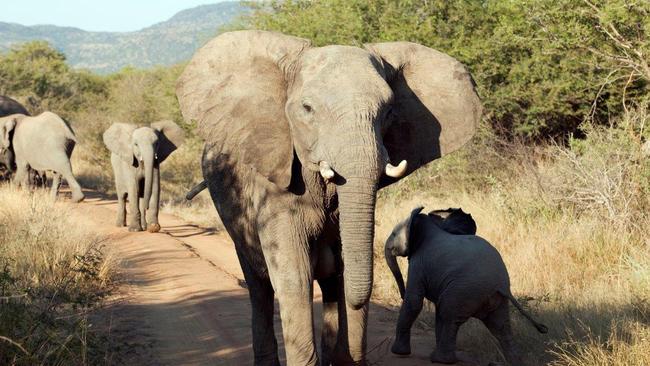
x=391 y=261
x=148 y=159
x=357 y=220
x=360 y=168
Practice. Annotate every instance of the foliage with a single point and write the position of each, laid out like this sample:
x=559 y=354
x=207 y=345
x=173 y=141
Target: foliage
x=542 y=66
x=40 y=73
x=52 y=275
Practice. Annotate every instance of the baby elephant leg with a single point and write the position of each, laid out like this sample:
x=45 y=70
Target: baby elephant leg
x=411 y=308
x=447 y=324
x=498 y=323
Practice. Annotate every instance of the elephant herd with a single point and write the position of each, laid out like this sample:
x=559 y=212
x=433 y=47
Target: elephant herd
x=31 y=146
x=298 y=141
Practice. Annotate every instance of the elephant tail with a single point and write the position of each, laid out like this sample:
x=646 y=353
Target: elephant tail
x=196 y=190
x=540 y=327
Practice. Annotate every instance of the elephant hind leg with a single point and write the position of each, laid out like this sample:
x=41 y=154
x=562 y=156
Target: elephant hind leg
x=498 y=323
x=260 y=291
x=65 y=170
x=447 y=325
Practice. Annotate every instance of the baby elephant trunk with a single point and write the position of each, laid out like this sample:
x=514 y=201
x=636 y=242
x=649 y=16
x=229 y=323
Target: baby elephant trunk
x=391 y=261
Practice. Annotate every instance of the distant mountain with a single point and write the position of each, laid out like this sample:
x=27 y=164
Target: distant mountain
x=165 y=43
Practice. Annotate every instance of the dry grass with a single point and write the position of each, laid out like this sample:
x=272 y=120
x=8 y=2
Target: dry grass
x=571 y=225
x=52 y=275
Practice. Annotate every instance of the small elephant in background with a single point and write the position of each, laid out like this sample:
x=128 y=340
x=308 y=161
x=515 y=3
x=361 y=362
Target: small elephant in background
x=9 y=106
x=461 y=273
x=136 y=154
x=38 y=144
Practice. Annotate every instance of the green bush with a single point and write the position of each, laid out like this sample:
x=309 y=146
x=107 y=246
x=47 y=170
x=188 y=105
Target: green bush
x=542 y=66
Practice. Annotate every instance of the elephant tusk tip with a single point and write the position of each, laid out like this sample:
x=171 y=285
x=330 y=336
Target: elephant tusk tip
x=396 y=171
x=326 y=171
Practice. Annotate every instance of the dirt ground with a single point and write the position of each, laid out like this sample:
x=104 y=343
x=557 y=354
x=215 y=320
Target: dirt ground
x=182 y=299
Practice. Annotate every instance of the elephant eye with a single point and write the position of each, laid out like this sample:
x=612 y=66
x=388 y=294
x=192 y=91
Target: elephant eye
x=307 y=108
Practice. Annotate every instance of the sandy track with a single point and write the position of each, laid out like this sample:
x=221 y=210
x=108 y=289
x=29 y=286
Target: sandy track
x=183 y=300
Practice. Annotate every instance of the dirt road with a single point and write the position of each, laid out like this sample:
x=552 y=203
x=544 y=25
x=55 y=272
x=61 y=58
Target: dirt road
x=183 y=300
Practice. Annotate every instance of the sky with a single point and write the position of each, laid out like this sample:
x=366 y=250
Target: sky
x=95 y=15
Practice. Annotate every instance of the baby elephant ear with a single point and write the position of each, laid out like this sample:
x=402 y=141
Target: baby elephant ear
x=458 y=222
x=170 y=138
x=118 y=140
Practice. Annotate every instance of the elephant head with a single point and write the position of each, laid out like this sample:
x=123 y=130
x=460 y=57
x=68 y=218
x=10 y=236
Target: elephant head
x=397 y=244
x=144 y=147
x=276 y=103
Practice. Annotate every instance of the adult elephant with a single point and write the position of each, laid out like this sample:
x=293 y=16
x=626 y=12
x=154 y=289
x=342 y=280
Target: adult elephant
x=298 y=140
x=43 y=142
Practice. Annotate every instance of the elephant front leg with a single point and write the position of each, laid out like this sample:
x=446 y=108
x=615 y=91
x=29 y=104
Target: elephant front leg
x=134 y=209
x=154 y=204
x=289 y=268
x=408 y=313
x=121 y=209
x=142 y=204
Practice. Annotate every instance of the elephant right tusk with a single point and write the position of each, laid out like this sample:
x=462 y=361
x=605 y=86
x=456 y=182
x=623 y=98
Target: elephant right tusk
x=396 y=171
x=326 y=171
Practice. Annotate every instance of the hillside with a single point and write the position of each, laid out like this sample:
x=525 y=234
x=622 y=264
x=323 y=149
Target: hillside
x=165 y=43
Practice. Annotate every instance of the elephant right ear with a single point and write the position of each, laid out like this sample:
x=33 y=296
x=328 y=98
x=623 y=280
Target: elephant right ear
x=118 y=140
x=235 y=87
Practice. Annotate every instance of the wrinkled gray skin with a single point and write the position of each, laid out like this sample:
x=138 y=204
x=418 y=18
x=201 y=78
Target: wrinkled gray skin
x=44 y=142
x=136 y=155
x=461 y=273
x=298 y=140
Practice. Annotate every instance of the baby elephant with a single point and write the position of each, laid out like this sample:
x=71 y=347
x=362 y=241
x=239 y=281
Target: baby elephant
x=136 y=154
x=461 y=273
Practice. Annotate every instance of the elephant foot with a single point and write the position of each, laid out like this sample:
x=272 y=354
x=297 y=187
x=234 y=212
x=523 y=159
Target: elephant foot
x=78 y=198
x=444 y=358
x=401 y=348
x=153 y=228
x=135 y=228
x=120 y=223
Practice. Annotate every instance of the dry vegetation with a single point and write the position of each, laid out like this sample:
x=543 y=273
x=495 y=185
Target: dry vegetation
x=53 y=274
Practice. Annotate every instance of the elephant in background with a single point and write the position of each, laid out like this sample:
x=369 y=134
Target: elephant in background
x=8 y=107
x=44 y=142
x=136 y=155
x=461 y=273
x=297 y=141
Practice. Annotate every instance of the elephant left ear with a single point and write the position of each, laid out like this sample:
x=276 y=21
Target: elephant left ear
x=436 y=108
x=8 y=124
x=170 y=138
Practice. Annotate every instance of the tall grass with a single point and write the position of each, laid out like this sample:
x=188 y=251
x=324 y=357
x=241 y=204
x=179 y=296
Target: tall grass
x=571 y=224
x=52 y=275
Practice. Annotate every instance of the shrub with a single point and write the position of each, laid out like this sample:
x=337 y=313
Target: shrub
x=52 y=274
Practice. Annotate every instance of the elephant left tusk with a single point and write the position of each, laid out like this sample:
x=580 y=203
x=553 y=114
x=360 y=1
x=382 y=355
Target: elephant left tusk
x=396 y=171
x=326 y=171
